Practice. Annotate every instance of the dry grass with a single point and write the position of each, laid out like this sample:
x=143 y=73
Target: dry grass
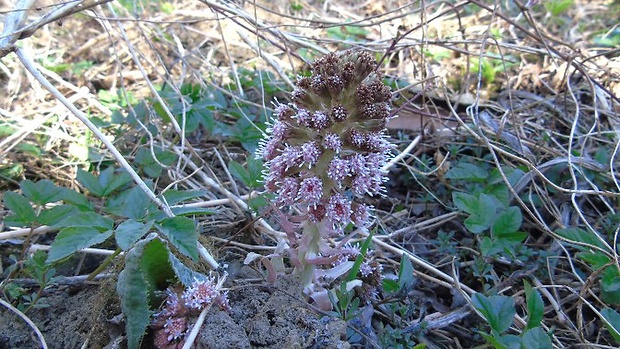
x=531 y=89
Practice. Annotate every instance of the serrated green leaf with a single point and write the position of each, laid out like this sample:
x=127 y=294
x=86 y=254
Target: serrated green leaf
x=613 y=322
x=23 y=213
x=130 y=231
x=77 y=199
x=136 y=204
x=56 y=214
x=132 y=289
x=174 y=197
x=499 y=311
x=87 y=220
x=152 y=167
x=90 y=182
x=477 y=223
x=255 y=169
x=535 y=306
x=499 y=192
x=239 y=172
x=186 y=275
x=489 y=247
x=595 y=259
x=483 y=208
x=181 y=231
x=70 y=240
x=111 y=180
x=465 y=202
x=467 y=171
x=42 y=192
x=536 y=338
x=508 y=221
x=259 y=202
x=580 y=236
x=156 y=266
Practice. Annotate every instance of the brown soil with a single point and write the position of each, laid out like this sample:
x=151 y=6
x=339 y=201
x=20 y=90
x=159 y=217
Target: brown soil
x=262 y=316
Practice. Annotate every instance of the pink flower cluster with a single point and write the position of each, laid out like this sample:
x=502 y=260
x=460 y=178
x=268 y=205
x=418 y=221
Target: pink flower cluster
x=171 y=323
x=326 y=149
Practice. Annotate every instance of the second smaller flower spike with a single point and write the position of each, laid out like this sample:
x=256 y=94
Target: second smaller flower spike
x=325 y=150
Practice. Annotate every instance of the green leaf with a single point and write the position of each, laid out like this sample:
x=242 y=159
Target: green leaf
x=468 y=172
x=151 y=167
x=495 y=342
x=405 y=274
x=70 y=240
x=186 y=275
x=23 y=213
x=507 y=222
x=192 y=211
x=130 y=231
x=465 y=202
x=352 y=275
x=490 y=247
x=160 y=215
x=156 y=266
x=174 y=197
x=135 y=204
x=499 y=192
x=90 y=182
x=42 y=192
x=389 y=285
x=56 y=214
x=477 y=224
x=181 y=231
x=111 y=180
x=483 y=214
x=610 y=285
x=536 y=338
x=483 y=206
x=580 y=237
x=132 y=289
x=87 y=220
x=239 y=172
x=595 y=259
x=77 y=199
x=255 y=169
x=612 y=323
x=497 y=310
x=535 y=306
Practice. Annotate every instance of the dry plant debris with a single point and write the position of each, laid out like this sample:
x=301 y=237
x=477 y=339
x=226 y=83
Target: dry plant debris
x=500 y=222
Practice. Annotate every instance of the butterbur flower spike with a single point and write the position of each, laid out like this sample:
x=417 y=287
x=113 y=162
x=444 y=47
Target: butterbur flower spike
x=331 y=135
x=324 y=151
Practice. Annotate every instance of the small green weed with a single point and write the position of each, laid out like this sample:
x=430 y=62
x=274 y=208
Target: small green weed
x=499 y=312
x=490 y=215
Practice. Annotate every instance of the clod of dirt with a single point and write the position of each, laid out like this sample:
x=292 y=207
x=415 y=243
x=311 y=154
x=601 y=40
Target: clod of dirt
x=271 y=316
x=68 y=321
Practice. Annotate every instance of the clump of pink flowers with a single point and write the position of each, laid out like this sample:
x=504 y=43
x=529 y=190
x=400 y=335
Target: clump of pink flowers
x=324 y=155
x=173 y=322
